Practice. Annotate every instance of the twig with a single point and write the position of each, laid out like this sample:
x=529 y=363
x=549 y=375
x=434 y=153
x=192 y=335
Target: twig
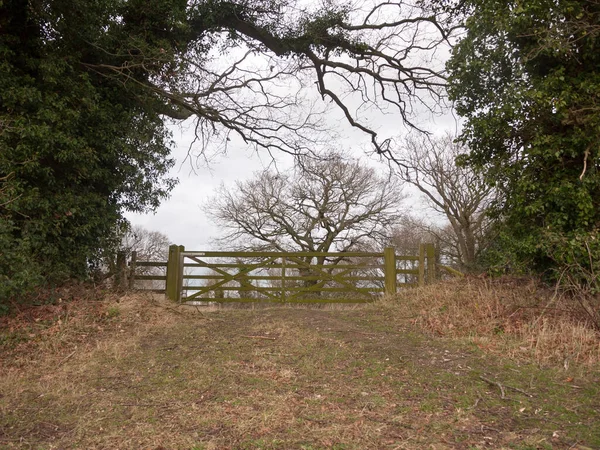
x=578 y=446
x=452 y=359
x=572 y=386
x=357 y=332
x=67 y=358
x=495 y=383
x=259 y=337
x=314 y=420
x=170 y=308
x=147 y=405
x=585 y=158
x=552 y=300
x=520 y=390
x=476 y=402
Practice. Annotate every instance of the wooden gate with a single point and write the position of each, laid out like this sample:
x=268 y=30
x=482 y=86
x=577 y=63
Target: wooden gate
x=289 y=277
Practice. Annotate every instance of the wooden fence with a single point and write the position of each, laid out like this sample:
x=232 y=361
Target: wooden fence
x=284 y=277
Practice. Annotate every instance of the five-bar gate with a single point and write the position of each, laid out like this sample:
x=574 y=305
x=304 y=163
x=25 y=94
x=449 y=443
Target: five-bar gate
x=293 y=277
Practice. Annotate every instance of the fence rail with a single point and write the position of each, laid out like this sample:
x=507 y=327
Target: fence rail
x=290 y=277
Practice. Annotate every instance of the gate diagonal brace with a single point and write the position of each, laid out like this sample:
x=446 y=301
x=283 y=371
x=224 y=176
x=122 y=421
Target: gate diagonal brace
x=227 y=277
x=326 y=275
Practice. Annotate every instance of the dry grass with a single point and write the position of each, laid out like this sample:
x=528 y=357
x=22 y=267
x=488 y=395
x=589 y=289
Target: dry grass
x=74 y=324
x=516 y=317
x=137 y=372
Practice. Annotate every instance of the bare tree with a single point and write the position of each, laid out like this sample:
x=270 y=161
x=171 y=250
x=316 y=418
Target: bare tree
x=149 y=246
x=328 y=204
x=249 y=67
x=461 y=195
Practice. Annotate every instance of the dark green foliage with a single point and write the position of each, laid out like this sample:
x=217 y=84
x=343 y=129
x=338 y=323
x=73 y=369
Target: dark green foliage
x=19 y=273
x=577 y=255
x=526 y=77
x=77 y=149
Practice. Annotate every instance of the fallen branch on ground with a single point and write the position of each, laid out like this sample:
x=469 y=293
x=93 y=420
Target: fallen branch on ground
x=260 y=337
x=495 y=383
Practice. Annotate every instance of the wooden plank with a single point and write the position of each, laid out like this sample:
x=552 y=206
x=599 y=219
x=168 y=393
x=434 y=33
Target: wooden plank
x=151 y=264
x=279 y=254
x=301 y=264
x=451 y=270
x=265 y=289
x=217 y=265
x=150 y=277
x=294 y=278
x=132 y=269
x=120 y=274
x=297 y=301
x=275 y=266
x=269 y=297
x=284 y=263
x=180 y=251
x=172 y=273
x=231 y=300
x=407 y=271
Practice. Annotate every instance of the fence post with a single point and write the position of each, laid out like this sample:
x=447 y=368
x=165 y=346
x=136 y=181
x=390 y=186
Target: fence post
x=173 y=273
x=121 y=268
x=283 y=267
x=180 y=267
x=421 y=264
x=430 y=263
x=389 y=267
x=132 y=268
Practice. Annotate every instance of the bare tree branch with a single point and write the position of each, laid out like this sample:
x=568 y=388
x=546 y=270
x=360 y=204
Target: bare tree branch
x=458 y=193
x=259 y=87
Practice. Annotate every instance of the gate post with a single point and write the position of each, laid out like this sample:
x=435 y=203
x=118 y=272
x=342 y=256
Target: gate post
x=180 y=267
x=172 y=287
x=430 y=263
x=389 y=268
x=132 y=269
x=421 y=264
x=120 y=274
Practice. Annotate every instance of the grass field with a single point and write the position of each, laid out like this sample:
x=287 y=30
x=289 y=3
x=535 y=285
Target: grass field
x=141 y=374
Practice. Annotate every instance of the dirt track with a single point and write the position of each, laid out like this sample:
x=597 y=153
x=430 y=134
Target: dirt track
x=286 y=378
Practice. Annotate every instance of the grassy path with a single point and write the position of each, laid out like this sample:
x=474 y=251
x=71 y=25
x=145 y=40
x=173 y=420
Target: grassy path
x=283 y=378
